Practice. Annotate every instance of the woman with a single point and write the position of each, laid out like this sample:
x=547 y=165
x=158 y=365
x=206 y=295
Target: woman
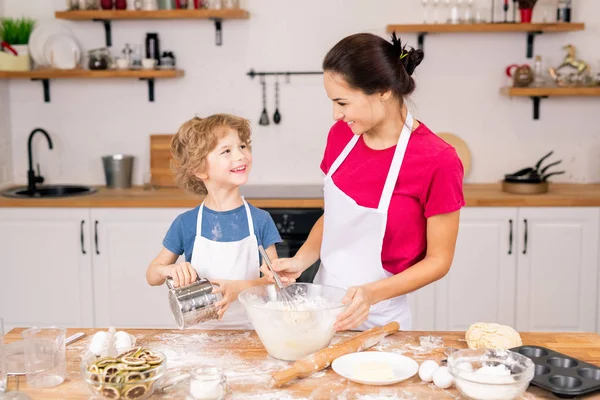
x=393 y=189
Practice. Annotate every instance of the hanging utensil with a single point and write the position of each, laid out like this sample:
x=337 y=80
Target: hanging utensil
x=277 y=115
x=264 y=117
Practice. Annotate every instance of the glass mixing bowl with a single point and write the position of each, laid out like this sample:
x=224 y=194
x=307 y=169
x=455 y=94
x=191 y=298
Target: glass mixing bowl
x=490 y=374
x=292 y=334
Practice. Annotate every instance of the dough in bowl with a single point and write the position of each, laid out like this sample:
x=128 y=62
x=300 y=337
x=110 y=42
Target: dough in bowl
x=483 y=335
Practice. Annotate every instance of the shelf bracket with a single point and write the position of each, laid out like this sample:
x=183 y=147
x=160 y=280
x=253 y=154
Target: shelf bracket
x=536 y=106
x=150 y=88
x=530 y=40
x=421 y=39
x=218 y=31
x=107 y=30
x=46 y=85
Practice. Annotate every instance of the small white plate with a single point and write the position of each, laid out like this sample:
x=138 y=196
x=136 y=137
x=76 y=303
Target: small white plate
x=356 y=367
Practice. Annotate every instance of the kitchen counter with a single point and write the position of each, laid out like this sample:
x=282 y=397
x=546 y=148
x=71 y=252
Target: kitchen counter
x=308 y=196
x=249 y=368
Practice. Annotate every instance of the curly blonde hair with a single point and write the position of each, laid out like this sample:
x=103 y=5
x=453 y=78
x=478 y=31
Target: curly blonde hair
x=194 y=140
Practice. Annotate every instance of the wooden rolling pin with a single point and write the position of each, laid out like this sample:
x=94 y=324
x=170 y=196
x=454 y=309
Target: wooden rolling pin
x=323 y=358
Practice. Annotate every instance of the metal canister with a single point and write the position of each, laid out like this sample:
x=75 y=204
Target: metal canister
x=194 y=303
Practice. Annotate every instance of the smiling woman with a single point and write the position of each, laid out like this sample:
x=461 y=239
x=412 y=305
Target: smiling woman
x=393 y=189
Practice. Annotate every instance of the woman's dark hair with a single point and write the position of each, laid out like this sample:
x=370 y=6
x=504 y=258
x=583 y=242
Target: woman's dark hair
x=372 y=64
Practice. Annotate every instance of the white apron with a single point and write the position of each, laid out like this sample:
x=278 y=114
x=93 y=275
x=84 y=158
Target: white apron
x=353 y=238
x=227 y=260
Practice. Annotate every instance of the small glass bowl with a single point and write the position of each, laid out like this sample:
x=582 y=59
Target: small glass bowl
x=463 y=365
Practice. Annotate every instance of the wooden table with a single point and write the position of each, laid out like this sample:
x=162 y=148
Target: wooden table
x=249 y=368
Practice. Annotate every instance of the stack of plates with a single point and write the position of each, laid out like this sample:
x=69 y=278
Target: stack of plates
x=53 y=46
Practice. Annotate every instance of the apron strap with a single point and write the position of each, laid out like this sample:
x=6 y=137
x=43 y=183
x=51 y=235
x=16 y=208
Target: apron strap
x=338 y=161
x=249 y=215
x=199 y=220
x=392 y=177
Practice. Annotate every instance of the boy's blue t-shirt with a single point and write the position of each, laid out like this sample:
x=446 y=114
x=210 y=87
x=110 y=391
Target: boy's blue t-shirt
x=220 y=226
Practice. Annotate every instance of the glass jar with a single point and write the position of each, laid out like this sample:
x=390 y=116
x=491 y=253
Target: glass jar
x=99 y=59
x=231 y=4
x=208 y=383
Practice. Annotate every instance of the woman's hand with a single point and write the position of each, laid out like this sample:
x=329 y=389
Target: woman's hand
x=181 y=273
x=289 y=269
x=230 y=291
x=357 y=312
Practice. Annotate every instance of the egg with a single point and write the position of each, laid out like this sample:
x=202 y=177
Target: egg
x=442 y=378
x=427 y=369
x=98 y=342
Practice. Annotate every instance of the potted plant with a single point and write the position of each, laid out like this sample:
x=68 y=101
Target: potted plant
x=526 y=9
x=15 y=33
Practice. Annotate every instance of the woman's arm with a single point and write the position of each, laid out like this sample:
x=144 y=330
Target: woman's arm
x=442 y=231
x=291 y=268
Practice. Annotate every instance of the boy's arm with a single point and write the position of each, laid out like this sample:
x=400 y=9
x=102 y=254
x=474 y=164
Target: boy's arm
x=164 y=265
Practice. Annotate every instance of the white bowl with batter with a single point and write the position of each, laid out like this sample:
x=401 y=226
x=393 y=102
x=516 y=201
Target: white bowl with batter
x=292 y=334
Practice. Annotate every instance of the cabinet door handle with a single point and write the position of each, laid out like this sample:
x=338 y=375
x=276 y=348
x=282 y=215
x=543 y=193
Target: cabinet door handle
x=525 y=237
x=510 y=235
x=81 y=235
x=96 y=236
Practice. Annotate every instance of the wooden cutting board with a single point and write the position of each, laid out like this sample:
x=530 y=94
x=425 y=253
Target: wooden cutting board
x=160 y=157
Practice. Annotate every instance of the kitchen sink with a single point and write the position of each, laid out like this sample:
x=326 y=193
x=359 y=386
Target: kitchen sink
x=49 y=191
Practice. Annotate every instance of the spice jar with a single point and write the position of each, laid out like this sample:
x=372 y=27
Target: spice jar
x=208 y=383
x=99 y=59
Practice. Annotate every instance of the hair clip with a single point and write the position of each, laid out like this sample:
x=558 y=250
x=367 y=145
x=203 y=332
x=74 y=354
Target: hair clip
x=403 y=55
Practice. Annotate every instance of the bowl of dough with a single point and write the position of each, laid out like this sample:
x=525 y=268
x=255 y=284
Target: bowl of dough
x=292 y=333
x=130 y=375
x=486 y=374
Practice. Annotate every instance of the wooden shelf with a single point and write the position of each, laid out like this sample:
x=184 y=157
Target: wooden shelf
x=45 y=75
x=530 y=29
x=107 y=16
x=550 y=91
x=91 y=74
x=537 y=93
x=491 y=28
x=145 y=15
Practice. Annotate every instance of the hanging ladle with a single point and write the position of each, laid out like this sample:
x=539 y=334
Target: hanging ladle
x=277 y=115
x=264 y=117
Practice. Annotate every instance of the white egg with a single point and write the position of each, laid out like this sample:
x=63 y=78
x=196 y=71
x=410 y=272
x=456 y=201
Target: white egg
x=427 y=369
x=442 y=378
x=98 y=342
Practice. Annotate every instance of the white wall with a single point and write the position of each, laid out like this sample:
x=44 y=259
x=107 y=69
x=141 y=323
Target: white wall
x=458 y=92
x=5 y=150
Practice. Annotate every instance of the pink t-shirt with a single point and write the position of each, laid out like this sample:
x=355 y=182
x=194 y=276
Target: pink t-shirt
x=429 y=183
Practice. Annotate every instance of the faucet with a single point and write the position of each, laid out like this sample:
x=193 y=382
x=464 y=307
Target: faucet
x=31 y=178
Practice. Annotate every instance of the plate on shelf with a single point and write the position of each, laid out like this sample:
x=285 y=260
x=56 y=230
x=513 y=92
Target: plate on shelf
x=62 y=51
x=375 y=367
x=38 y=39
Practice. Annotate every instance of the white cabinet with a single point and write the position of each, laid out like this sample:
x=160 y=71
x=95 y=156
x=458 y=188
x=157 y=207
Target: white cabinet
x=128 y=239
x=78 y=267
x=557 y=269
x=534 y=268
x=481 y=283
x=46 y=267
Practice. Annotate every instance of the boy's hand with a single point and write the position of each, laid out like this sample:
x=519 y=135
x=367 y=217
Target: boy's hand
x=230 y=291
x=181 y=273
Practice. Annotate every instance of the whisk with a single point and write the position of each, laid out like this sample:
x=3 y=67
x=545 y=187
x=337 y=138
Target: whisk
x=287 y=298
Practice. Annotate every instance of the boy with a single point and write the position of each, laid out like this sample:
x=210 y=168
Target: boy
x=220 y=237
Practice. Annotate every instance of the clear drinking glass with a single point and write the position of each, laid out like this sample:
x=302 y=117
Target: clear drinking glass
x=425 y=4
x=45 y=356
x=208 y=383
x=436 y=16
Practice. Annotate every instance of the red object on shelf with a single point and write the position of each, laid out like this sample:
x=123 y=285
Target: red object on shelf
x=121 y=4
x=526 y=15
x=107 y=4
x=198 y=4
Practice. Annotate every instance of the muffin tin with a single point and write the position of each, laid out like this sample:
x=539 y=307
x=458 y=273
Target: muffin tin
x=560 y=374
